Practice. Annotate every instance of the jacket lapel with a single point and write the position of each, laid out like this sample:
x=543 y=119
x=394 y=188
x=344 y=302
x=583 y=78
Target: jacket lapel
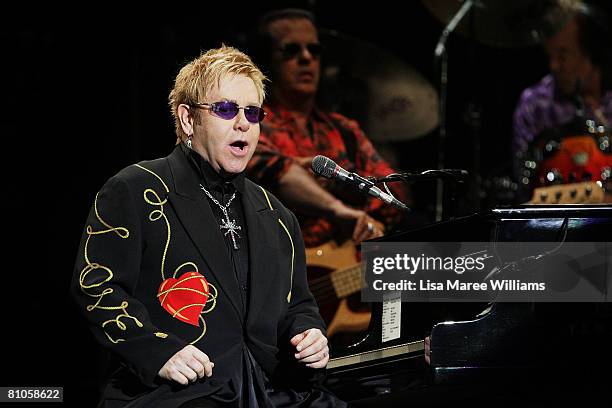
x=201 y=226
x=263 y=232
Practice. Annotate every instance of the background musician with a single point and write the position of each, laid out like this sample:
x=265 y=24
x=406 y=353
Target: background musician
x=296 y=130
x=576 y=39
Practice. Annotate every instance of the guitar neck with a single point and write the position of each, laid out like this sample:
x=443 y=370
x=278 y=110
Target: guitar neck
x=588 y=192
x=346 y=275
x=347 y=281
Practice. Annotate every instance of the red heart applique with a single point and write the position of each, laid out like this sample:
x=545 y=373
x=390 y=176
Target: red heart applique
x=184 y=298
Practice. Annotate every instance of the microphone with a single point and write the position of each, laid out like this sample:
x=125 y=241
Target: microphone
x=326 y=167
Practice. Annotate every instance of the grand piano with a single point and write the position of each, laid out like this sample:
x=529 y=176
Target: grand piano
x=532 y=354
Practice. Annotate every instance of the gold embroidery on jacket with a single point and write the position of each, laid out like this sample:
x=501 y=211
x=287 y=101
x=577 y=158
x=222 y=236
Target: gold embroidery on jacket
x=292 y=259
x=203 y=330
x=290 y=240
x=204 y=292
x=123 y=233
x=158 y=213
x=207 y=289
x=176 y=271
x=152 y=198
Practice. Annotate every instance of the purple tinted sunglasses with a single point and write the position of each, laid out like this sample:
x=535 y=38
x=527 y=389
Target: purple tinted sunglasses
x=228 y=110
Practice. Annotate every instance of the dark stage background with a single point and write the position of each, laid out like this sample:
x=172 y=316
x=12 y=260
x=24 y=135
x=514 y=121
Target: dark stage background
x=85 y=95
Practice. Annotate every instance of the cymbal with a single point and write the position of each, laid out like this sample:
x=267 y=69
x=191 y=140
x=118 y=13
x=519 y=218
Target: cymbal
x=498 y=23
x=390 y=100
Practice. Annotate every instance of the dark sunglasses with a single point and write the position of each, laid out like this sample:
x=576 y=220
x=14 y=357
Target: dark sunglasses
x=228 y=110
x=292 y=50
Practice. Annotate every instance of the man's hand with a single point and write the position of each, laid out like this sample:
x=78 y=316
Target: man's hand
x=187 y=365
x=428 y=350
x=304 y=162
x=298 y=188
x=311 y=347
x=366 y=227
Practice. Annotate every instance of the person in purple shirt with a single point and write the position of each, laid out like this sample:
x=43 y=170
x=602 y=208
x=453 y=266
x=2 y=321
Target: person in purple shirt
x=577 y=42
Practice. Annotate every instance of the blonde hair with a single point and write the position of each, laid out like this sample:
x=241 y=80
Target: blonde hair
x=199 y=76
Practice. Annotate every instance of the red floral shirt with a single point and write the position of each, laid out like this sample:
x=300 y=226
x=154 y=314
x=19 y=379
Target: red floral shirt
x=281 y=141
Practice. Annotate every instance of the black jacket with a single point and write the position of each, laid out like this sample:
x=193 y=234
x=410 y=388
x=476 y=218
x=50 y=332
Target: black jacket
x=151 y=223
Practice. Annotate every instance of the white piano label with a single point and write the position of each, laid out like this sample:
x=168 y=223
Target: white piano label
x=391 y=316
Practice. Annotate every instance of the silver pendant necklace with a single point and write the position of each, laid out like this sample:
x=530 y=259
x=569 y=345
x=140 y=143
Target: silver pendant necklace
x=226 y=224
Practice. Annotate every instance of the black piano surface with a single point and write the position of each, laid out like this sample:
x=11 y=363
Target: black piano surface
x=532 y=354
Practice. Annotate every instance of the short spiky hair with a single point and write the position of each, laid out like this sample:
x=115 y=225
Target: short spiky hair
x=199 y=76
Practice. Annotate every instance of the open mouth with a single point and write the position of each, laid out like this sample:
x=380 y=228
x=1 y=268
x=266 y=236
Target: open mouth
x=239 y=144
x=239 y=147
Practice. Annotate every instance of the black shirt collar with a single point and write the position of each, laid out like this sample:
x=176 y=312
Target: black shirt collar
x=210 y=178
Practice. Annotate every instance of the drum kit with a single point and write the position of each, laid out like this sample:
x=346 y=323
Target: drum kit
x=393 y=102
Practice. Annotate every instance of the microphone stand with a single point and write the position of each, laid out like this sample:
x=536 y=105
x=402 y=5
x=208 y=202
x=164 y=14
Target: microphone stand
x=455 y=175
x=452 y=176
x=441 y=56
